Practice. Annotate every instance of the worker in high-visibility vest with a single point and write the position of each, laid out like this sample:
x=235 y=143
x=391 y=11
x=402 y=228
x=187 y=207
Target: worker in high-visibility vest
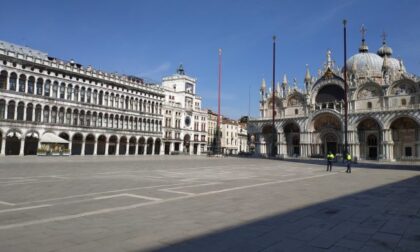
x=330 y=157
x=348 y=160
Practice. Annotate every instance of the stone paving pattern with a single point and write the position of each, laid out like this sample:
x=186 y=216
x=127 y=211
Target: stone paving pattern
x=204 y=204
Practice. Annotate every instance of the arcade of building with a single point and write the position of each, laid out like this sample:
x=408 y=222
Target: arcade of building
x=96 y=113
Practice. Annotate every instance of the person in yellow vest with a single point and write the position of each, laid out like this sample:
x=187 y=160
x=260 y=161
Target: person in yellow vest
x=348 y=160
x=330 y=157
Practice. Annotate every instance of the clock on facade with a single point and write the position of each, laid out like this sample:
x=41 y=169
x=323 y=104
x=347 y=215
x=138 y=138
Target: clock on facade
x=187 y=121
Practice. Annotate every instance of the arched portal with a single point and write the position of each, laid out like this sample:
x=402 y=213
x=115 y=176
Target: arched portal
x=76 y=144
x=31 y=143
x=157 y=146
x=89 y=144
x=112 y=145
x=123 y=145
x=326 y=135
x=269 y=135
x=13 y=143
x=132 y=148
x=329 y=94
x=142 y=142
x=369 y=132
x=101 y=145
x=149 y=146
x=187 y=140
x=405 y=134
x=292 y=136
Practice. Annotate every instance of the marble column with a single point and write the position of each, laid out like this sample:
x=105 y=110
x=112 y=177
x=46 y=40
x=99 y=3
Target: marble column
x=22 y=146
x=95 y=148
x=3 y=145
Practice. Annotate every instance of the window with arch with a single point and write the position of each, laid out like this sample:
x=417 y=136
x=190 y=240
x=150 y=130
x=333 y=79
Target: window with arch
x=38 y=111
x=3 y=80
x=55 y=90
x=47 y=88
x=88 y=95
x=39 y=86
x=69 y=92
x=61 y=116
x=11 y=110
x=2 y=109
x=12 y=81
x=76 y=93
x=95 y=97
x=22 y=83
x=31 y=85
x=62 y=90
x=29 y=111
x=54 y=115
x=46 y=114
x=82 y=94
x=20 y=111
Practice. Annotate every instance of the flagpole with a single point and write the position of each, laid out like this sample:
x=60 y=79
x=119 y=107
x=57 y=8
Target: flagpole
x=273 y=150
x=218 y=102
x=345 y=90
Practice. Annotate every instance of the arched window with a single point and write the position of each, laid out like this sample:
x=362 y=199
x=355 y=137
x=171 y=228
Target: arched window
x=88 y=117
x=106 y=99
x=38 y=111
x=75 y=117
x=69 y=92
x=88 y=95
x=12 y=81
x=47 y=88
x=20 y=111
x=61 y=116
x=62 y=90
x=39 y=85
x=95 y=97
x=68 y=116
x=117 y=101
x=76 y=93
x=31 y=85
x=46 y=114
x=55 y=90
x=100 y=120
x=3 y=80
x=29 y=112
x=54 y=115
x=11 y=110
x=82 y=118
x=82 y=94
x=2 y=109
x=22 y=83
x=111 y=99
x=101 y=93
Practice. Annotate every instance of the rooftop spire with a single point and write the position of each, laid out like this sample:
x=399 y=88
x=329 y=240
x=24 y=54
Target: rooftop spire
x=363 y=47
x=284 y=79
x=263 y=85
x=307 y=75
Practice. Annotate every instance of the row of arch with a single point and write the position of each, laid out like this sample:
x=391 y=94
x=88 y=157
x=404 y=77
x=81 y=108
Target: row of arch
x=76 y=117
x=65 y=91
x=14 y=143
x=368 y=140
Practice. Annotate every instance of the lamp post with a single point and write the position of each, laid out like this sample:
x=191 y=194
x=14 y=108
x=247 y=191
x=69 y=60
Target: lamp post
x=273 y=148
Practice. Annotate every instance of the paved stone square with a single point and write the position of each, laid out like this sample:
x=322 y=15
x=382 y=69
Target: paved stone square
x=178 y=203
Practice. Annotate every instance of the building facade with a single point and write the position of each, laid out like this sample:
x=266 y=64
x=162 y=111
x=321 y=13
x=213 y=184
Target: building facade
x=185 y=123
x=383 y=111
x=92 y=112
x=233 y=135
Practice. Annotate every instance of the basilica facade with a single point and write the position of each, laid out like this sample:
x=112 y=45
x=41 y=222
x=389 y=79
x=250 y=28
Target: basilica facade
x=383 y=111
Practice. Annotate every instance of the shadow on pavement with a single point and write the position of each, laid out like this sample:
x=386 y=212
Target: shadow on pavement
x=386 y=218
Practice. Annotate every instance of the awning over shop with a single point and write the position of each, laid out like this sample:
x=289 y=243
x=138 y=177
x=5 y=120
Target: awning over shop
x=51 y=138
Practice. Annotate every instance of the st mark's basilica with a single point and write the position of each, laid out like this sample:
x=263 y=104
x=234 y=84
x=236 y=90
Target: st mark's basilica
x=383 y=110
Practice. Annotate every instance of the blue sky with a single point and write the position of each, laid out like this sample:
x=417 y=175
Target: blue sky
x=152 y=37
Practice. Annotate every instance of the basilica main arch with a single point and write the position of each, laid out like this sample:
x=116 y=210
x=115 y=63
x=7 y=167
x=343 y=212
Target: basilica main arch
x=326 y=134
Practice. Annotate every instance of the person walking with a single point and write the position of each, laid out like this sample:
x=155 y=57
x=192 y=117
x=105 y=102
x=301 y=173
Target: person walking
x=330 y=157
x=348 y=160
